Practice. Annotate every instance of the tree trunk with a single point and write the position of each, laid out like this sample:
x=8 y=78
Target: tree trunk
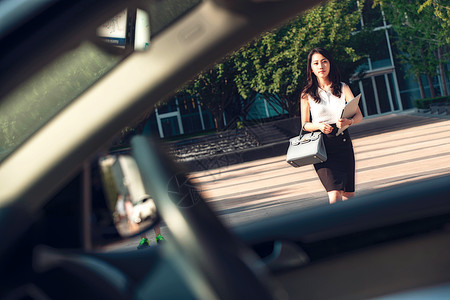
x=429 y=77
x=430 y=83
x=218 y=121
x=294 y=105
x=442 y=73
x=247 y=105
x=419 y=82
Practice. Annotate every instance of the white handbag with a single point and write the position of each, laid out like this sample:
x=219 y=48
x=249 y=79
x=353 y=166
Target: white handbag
x=306 y=149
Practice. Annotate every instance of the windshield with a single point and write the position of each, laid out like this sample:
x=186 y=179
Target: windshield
x=230 y=127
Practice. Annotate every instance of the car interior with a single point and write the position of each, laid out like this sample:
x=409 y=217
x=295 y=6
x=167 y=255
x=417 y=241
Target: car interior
x=57 y=231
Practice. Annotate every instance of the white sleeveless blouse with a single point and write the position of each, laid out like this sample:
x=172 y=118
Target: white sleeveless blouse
x=329 y=109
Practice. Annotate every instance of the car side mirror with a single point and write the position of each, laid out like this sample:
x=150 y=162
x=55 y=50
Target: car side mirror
x=131 y=206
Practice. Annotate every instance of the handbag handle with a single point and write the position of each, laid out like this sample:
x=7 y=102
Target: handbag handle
x=301 y=125
x=301 y=128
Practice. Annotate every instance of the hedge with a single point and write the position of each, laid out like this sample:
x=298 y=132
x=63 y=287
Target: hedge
x=426 y=102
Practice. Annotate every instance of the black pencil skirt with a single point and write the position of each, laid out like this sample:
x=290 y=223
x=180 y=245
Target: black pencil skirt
x=338 y=172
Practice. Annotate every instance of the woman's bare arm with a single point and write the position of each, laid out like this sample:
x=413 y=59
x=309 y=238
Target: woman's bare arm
x=306 y=121
x=357 y=117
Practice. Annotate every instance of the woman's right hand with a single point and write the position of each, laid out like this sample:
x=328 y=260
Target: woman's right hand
x=325 y=128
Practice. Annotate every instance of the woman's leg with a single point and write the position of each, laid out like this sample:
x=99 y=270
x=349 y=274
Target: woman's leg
x=335 y=196
x=347 y=195
x=157 y=229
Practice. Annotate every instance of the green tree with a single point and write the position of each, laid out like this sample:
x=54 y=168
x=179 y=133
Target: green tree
x=439 y=13
x=441 y=10
x=421 y=36
x=215 y=89
x=276 y=62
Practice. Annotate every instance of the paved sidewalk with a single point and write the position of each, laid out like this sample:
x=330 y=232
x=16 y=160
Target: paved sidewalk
x=390 y=150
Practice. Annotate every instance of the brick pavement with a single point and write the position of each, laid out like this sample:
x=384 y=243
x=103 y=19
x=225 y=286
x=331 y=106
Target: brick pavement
x=389 y=150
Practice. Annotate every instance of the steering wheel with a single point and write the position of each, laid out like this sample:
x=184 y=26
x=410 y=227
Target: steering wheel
x=215 y=264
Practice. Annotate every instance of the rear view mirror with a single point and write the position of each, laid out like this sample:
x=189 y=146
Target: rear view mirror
x=131 y=206
x=129 y=30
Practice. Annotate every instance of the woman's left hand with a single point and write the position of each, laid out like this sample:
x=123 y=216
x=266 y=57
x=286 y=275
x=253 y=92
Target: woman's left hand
x=343 y=122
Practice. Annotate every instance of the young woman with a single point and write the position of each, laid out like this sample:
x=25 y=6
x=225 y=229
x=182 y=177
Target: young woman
x=322 y=102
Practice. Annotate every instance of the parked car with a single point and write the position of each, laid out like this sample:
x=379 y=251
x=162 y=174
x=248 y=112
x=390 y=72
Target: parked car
x=65 y=94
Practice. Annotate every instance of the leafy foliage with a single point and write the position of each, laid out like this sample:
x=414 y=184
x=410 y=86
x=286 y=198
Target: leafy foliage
x=422 y=30
x=441 y=10
x=215 y=89
x=275 y=63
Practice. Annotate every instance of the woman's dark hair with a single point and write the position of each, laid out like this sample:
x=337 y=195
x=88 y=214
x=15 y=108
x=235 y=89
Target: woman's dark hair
x=312 y=86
